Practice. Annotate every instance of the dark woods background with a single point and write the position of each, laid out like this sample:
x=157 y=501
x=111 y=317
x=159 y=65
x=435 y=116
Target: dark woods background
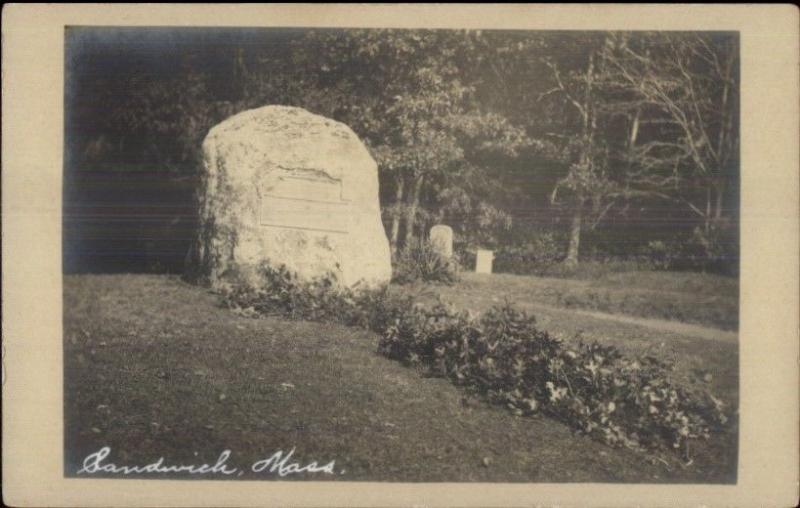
x=557 y=149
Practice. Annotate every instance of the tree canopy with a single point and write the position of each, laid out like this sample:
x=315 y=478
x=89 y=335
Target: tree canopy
x=497 y=133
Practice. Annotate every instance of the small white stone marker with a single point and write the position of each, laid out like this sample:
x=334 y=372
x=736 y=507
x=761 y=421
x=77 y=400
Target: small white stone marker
x=483 y=261
x=441 y=238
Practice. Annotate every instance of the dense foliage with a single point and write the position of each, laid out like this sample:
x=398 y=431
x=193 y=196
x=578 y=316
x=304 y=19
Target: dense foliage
x=534 y=257
x=503 y=355
x=474 y=129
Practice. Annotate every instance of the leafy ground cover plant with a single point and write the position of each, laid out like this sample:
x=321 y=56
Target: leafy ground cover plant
x=282 y=293
x=504 y=356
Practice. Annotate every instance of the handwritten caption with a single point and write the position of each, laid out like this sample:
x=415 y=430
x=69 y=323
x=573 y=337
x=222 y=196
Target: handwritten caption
x=279 y=463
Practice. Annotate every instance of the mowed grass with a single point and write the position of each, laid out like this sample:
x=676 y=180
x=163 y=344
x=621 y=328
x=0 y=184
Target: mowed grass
x=705 y=299
x=156 y=368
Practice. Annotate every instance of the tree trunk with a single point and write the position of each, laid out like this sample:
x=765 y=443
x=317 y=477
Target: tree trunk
x=575 y=234
x=411 y=213
x=589 y=126
x=395 y=230
x=719 y=189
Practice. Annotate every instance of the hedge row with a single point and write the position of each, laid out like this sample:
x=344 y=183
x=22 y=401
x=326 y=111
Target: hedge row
x=506 y=357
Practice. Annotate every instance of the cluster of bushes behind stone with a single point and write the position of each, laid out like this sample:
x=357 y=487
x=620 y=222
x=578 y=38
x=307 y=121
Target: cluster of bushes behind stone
x=504 y=357
x=421 y=262
x=542 y=253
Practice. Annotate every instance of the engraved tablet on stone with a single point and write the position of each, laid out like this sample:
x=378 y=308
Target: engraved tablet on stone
x=308 y=203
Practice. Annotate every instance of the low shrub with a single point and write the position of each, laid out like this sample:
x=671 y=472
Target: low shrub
x=282 y=293
x=544 y=254
x=421 y=262
x=503 y=355
x=715 y=250
x=534 y=257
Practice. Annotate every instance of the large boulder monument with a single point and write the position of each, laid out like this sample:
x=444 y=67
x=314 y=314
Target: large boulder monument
x=283 y=186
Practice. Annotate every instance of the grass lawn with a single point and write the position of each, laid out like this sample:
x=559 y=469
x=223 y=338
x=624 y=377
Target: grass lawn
x=709 y=300
x=154 y=367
